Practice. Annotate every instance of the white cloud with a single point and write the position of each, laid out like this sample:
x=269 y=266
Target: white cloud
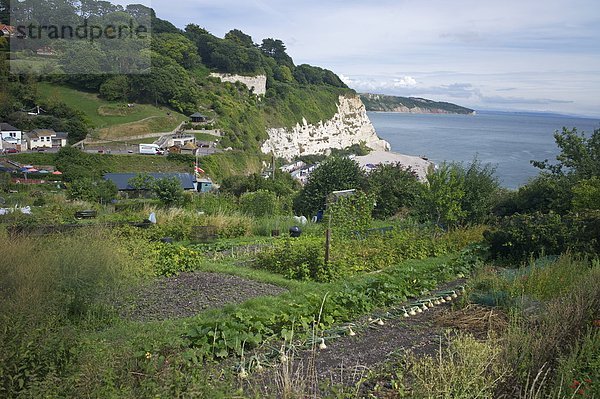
x=405 y=81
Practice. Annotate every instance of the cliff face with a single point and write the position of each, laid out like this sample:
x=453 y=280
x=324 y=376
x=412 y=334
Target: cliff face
x=258 y=84
x=350 y=125
x=413 y=105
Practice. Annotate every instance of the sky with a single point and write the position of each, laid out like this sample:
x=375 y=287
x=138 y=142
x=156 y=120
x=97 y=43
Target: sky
x=519 y=55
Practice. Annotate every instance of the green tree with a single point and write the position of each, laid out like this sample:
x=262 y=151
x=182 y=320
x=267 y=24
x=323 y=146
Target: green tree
x=5 y=181
x=480 y=186
x=579 y=155
x=117 y=88
x=141 y=181
x=440 y=202
x=179 y=48
x=276 y=49
x=545 y=193
x=586 y=194
x=240 y=38
x=394 y=188
x=283 y=74
x=168 y=191
x=82 y=58
x=5 y=12
x=333 y=174
x=88 y=189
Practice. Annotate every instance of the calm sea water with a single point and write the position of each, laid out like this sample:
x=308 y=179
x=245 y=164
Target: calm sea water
x=506 y=140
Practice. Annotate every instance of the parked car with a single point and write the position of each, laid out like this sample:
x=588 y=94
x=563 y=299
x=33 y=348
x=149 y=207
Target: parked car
x=11 y=150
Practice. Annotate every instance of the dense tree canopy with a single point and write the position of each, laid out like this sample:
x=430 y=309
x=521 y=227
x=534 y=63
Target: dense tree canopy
x=240 y=38
x=275 y=49
x=334 y=174
x=394 y=188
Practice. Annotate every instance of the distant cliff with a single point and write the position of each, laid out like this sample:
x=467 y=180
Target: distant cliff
x=414 y=105
x=350 y=125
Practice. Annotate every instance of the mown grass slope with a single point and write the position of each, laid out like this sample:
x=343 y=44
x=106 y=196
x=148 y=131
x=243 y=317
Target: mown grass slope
x=113 y=119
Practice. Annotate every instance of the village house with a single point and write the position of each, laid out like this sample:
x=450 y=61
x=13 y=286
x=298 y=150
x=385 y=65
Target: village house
x=189 y=148
x=205 y=185
x=175 y=140
x=10 y=137
x=45 y=138
x=7 y=30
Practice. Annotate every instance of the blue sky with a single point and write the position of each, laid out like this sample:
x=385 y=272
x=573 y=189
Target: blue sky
x=503 y=55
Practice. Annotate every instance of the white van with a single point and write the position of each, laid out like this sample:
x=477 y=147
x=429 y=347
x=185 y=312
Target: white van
x=150 y=149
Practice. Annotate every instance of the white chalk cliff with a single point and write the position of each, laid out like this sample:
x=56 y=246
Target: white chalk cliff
x=258 y=84
x=350 y=125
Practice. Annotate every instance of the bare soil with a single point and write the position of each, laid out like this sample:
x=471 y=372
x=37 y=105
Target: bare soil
x=188 y=294
x=345 y=362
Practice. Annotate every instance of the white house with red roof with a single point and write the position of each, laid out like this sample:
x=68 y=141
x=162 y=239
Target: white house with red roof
x=7 y=30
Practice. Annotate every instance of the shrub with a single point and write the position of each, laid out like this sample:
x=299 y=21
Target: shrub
x=553 y=305
x=349 y=257
x=230 y=226
x=350 y=214
x=519 y=237
x=297 y=258
x=174 y=259
x=260 y=203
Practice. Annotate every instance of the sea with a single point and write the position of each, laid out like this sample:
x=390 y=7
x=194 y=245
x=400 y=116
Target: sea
x=506 y=140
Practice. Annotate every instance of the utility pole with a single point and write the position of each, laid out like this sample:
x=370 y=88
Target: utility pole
x=272 y=166
x=328 y=240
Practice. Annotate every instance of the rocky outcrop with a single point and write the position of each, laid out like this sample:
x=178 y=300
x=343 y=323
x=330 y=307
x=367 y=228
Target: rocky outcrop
x=258 y=84
x=350 y=125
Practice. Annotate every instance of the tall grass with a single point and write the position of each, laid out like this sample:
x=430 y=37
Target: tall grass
x=552 y=307
x=52 y=289
x=465 y=368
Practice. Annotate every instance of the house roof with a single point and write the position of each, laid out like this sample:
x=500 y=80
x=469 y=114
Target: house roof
x=197 y=115
x=189 y=146
x=7 y=28
x=37 y=133
x=121 y=180
x=6 y=127
x=62 y=135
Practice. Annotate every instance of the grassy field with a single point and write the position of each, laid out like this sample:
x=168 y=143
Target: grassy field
x=114 y=119
x=116 y=163
x=217 y=166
